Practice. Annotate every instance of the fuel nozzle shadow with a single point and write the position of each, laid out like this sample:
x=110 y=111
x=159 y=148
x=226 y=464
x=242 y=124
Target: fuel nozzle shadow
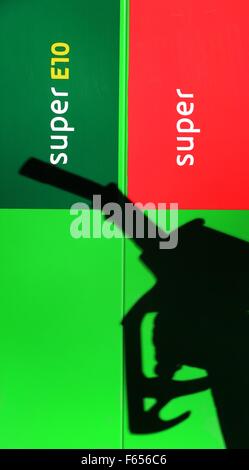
x=201 y=299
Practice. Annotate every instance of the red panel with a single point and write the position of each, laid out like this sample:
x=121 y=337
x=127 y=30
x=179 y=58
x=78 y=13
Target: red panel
x=200 y=47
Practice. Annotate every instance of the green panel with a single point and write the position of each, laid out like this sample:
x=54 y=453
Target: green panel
x=60 y=338
x=60 y=334
x=28 y=28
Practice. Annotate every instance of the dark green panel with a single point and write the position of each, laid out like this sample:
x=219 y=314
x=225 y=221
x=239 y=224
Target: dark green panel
x=28 y=28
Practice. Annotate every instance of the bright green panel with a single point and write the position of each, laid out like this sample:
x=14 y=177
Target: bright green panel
x=60 y=337
x=60 y=334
